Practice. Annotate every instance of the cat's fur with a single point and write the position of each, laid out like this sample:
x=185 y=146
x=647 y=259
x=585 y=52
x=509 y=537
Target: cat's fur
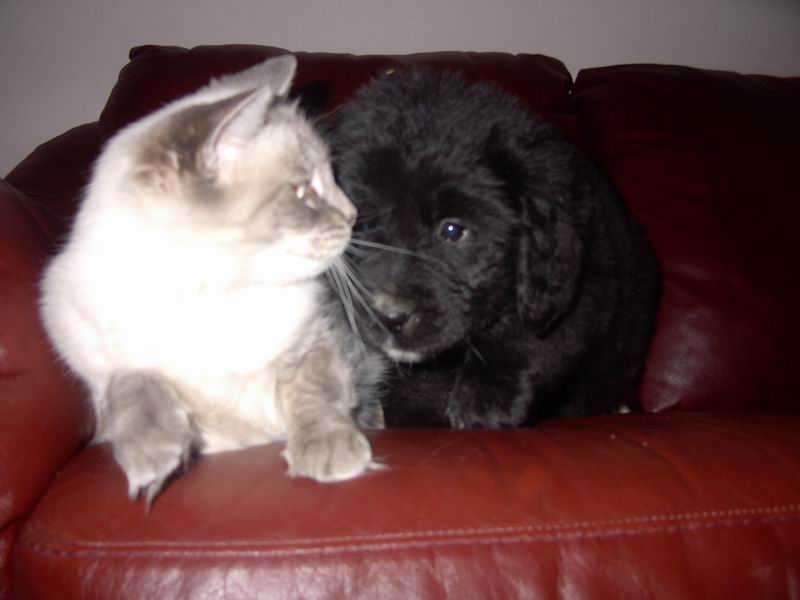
x=187 y=296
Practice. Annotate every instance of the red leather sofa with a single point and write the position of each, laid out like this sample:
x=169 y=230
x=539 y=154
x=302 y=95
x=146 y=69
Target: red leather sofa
x=699 y=497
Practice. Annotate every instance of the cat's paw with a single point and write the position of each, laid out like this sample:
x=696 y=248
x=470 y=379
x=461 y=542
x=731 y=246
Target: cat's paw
x=151 y=432
x=331 y=456
x=149 y=457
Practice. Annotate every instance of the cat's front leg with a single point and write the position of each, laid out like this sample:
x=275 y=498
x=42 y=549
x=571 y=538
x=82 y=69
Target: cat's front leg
x=150 y=430
x=317 y=396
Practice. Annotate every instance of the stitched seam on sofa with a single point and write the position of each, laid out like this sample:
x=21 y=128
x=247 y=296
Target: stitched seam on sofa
x=694 y=519
x=199 y=552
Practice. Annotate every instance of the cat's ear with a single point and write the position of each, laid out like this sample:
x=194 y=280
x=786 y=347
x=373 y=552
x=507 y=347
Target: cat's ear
x=243 y=115
x=199 y=139
x=275 y=74
x=203 y=137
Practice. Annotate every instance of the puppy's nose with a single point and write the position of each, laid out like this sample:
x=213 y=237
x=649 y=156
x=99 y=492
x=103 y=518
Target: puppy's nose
x=393 y=321
x=392 y=311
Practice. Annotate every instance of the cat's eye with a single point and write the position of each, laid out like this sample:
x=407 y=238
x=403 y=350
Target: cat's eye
x=307 y=193
x=450 y=231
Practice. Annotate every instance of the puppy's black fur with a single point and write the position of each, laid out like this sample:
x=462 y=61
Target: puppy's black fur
x=523 y=288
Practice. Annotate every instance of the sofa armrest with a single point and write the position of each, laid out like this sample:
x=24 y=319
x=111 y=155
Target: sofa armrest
x=53 y=176
x=43 y=417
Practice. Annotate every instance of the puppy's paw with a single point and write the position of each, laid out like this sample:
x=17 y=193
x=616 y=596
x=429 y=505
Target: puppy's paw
x=334 y=455
x=468 y=417
x=460 y=417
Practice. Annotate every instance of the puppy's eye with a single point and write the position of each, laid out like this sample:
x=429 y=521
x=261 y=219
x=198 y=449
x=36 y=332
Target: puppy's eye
x=453 y=232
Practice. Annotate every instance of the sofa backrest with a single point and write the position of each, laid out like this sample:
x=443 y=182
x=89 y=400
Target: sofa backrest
x=710 y=163
x=705 y=160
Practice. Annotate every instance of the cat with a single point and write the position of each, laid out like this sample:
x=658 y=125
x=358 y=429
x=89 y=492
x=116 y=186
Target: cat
x=189 y=296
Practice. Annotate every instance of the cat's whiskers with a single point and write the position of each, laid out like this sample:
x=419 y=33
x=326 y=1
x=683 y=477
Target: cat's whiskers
x=346 y=284
x=357 y=252
x=387 y=248
x=338 y=279
x=360 y=292
x=350 y=272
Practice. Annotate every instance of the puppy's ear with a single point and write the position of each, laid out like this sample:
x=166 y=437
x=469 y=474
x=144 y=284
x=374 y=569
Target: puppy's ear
x=549 y=249
x=549 y=261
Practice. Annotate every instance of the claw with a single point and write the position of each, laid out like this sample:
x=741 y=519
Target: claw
x=152 y=492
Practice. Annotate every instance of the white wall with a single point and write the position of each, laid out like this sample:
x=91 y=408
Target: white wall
x=60 y=58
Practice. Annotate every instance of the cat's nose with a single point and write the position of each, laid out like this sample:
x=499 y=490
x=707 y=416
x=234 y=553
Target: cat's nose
x=345 y=207
x=346 y=214
x=350 y=215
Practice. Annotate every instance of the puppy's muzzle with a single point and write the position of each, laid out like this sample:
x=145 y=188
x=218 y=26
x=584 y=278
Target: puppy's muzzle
x=394 y=313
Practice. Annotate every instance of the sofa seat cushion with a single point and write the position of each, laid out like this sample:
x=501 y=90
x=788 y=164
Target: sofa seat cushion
x=670 y=506
x=708 y=162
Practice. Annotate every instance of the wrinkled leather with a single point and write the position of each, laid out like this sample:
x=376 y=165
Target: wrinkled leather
x=155 y=75
x=54 y=175
x=701 y=500
x=43 y=416
x=708 y=162
x=621 y=506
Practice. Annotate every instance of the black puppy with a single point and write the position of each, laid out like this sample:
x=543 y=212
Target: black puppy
x=519 y=286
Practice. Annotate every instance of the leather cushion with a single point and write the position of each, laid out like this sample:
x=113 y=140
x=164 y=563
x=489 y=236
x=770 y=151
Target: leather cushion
x=617 y=507
x=43 y=417
x=157 y=74
x=707 y=161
